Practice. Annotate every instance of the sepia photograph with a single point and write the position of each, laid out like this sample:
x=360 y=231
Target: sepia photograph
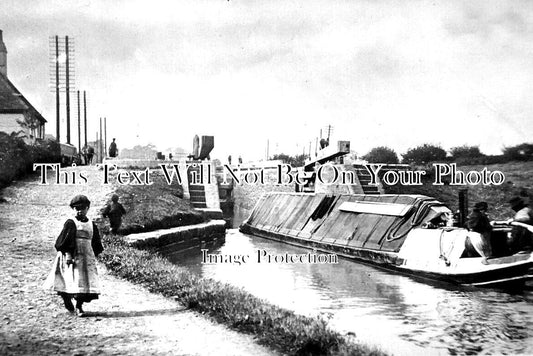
x=228 y=177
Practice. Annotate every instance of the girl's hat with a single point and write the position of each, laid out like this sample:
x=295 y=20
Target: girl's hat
x=481 y=205
x=80 y=200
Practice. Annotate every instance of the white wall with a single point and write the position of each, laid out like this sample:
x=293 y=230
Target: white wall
x=9 y=124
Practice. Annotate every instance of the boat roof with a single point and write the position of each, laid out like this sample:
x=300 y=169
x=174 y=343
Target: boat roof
x=379 y=222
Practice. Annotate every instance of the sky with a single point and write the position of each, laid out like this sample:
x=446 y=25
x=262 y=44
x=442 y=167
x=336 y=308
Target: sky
x=279 y=72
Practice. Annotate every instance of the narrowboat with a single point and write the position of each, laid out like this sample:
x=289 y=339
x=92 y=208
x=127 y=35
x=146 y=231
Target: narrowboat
x=410 y=234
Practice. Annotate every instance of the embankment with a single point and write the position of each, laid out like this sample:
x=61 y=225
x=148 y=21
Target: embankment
x=270 y=325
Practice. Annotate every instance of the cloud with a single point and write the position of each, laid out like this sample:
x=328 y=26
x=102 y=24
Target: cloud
x=487 y=21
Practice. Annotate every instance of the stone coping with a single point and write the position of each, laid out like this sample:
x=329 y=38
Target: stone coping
x=140 y=238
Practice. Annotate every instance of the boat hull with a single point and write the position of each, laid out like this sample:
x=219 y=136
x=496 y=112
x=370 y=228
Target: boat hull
x=506 y=272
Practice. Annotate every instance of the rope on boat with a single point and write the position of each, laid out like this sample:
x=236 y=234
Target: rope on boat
x=442 y=255
x=415 y=219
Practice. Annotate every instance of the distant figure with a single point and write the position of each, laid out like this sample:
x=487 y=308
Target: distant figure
x=114 y=212
x=229 y=160
x=84 y=154
x=90 y=154
x=240 y=160
x=480 y=229
x=521 y=239
x=170 y=156
x=113 y=151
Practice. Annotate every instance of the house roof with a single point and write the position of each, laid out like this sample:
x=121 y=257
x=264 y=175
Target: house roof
x=12 y=101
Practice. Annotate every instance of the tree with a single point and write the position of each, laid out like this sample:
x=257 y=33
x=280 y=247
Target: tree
x=381 y=154
x=466 y=152
x=424 y=154
x=521 y=152
x=30 y=124
x=294 y=161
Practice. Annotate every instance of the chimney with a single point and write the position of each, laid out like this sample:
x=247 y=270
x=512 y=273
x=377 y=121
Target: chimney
x=3 y=56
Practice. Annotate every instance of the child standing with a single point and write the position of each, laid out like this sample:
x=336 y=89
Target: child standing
x=114 y=212
x=74 y=274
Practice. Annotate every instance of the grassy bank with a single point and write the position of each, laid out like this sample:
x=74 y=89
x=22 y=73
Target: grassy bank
x=272 y=326
x=517 y=180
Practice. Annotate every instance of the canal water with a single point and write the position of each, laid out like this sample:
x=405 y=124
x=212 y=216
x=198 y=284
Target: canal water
x=394 y=312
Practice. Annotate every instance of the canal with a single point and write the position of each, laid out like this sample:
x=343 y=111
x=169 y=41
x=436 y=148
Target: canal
x=396 y=313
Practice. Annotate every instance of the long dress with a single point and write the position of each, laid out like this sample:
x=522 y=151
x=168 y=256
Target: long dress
x=81 y=240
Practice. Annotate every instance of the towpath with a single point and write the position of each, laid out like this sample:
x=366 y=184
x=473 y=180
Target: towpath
x=126 y=320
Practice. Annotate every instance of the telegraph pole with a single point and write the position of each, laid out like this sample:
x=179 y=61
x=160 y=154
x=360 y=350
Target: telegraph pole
x=85 y=115
x=79 y=123
x=58 y=116
x=62 y=78
x=105 y=133
x=100 y=145
x=67 y=88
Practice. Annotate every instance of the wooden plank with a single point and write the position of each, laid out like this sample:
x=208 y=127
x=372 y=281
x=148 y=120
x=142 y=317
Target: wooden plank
x=309 y=226
x=300 y=215
x=378 y=208
x=328 y=231
x=292 y=206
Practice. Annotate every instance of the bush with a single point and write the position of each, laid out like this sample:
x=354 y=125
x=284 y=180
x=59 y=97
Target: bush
x=522 y=152
x=294 y=161
x=17 y=158
x=481 y=160
x=381 y=154
x=465 y=152
x=424 y=154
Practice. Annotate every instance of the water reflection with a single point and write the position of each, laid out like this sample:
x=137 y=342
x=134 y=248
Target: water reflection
x=395 y=312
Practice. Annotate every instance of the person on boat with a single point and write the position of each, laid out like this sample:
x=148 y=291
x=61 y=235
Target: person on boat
x=478 y=220
x=520 y=239
x=74 y=274
x=478 y=224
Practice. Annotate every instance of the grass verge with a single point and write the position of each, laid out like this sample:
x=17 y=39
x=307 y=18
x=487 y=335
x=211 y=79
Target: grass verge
x=272 y=326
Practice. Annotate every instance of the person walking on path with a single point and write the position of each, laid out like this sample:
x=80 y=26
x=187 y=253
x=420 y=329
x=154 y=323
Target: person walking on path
x=114 y=212
x=84 y=154
x=113 y=151
x=90 y=154
x=74 y=274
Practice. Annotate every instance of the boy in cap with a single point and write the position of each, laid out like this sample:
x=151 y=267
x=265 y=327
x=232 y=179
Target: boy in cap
x=114 y=212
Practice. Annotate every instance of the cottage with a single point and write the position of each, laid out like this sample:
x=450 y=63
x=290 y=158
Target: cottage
x=16 y=112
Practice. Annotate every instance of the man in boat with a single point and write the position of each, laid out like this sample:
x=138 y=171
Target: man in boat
x=478 y=220
x=480 y=229
x=520 y=239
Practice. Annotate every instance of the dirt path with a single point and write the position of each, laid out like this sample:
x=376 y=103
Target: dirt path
x=126 y=320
